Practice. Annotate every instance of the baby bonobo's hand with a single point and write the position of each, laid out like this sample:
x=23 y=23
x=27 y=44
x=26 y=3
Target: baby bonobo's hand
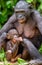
x=20 y=39
x=8 y=55
x=17 y=39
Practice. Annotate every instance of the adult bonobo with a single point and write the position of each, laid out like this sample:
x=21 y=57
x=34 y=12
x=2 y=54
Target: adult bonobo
x=28 y=23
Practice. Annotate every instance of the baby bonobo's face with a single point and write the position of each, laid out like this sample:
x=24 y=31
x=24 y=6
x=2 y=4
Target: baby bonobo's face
x=14 y=36
x=11 y=33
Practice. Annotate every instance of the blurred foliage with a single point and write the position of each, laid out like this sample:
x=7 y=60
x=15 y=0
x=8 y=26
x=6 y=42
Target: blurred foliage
x=2 y=55
x=40 y=50
x=19 y=62
x=3 y=58
x=6 y=10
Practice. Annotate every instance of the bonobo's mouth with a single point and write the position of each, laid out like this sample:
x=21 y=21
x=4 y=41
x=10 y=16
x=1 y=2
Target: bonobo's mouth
x=21 y=20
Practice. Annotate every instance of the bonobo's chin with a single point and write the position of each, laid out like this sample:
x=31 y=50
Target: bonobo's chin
x=21 y=21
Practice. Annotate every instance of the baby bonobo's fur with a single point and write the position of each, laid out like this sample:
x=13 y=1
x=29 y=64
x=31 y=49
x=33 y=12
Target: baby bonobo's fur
x=12 y=45
x=13 y=52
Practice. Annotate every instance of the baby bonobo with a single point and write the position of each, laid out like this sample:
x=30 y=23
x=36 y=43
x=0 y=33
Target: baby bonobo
x=12 y=45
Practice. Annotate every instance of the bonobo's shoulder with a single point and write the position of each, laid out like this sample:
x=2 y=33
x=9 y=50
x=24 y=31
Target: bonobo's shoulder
x=36 y=13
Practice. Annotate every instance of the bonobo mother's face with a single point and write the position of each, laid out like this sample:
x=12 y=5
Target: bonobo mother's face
x=21 y=15
x=22 y=10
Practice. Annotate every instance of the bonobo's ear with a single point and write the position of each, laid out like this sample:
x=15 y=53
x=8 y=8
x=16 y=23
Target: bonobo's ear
x=30 y=6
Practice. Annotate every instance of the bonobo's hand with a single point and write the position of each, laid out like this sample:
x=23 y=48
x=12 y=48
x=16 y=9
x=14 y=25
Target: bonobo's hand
x=18 y=39
x=8 y=55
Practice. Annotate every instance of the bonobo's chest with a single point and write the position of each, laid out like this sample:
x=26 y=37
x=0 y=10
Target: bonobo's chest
x=28 y=29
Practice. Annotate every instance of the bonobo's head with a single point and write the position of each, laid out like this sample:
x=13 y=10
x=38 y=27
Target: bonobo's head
x=22 y=11
x=11 y=33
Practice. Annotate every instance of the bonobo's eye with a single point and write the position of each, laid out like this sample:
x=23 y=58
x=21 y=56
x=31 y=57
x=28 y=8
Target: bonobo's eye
x=19 y=12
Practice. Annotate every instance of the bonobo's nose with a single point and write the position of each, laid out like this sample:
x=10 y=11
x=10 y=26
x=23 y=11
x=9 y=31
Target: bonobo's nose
x=20 y=17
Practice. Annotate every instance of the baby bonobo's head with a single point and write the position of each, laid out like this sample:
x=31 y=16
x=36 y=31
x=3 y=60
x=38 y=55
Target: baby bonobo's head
x=13 y=35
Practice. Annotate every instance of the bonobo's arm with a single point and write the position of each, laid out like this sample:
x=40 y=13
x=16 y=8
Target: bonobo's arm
x=35 y=62
x=32 y=49
x=2 y=40
x=9 y=24
x=38 y=18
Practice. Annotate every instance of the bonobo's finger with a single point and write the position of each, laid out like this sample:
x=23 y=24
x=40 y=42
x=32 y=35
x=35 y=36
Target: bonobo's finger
x=32 y=49
x=19 y=38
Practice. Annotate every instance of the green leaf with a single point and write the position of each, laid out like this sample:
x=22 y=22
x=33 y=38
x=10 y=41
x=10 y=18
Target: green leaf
x=9 y=4
x=40 y=8
x=40 y=50
x=0 y=13
x=29 y=1
x=21 y=60
x=2 y=54
x=40 y=1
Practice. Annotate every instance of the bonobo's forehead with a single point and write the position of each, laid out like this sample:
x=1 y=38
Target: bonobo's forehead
x=22 y=5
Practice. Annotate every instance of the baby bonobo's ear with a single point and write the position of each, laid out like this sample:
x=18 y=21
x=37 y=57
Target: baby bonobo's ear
x=9 y=36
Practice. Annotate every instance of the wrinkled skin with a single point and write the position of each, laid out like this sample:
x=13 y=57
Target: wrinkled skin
x=28 y=23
